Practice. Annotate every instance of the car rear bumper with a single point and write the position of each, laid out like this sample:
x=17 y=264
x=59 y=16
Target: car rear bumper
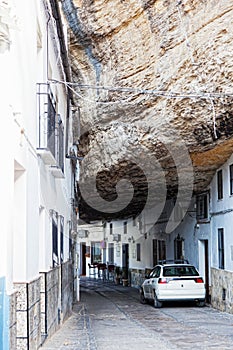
x=187 y=295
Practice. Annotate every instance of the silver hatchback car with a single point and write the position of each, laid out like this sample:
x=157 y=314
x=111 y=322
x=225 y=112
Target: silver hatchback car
x=173 y=281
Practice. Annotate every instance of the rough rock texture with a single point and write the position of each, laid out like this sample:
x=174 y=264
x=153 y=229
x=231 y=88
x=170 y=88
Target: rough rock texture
x=164 y=71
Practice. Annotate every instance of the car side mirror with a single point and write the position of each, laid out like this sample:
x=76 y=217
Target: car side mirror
x=147 y=276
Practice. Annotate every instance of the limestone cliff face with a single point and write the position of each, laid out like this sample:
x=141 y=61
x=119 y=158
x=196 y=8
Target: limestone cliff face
x=164 y=71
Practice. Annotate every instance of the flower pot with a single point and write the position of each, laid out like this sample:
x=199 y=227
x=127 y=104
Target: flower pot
x=117 y=280
x=125 y=282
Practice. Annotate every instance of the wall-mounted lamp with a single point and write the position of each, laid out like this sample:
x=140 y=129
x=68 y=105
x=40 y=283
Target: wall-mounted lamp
x=131 y=239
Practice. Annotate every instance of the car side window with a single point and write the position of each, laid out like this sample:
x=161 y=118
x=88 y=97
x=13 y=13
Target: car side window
x=155 y=273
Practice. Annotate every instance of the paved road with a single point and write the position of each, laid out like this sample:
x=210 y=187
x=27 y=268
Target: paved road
x=110 y=317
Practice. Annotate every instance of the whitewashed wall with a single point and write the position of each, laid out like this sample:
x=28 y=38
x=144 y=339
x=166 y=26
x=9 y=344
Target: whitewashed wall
x=27 y=200
x=221 y=217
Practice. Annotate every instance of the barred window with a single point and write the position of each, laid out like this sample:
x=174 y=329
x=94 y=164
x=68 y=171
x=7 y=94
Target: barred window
x=138 y=252
x=221 y=264
x=202 y=206
x=220 y=184
x=231 y=179
x=111 y=228
x=55 y=242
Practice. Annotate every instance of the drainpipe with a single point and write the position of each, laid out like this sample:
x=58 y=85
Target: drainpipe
x=47 y=47
x=46 y=306
x=28 y=320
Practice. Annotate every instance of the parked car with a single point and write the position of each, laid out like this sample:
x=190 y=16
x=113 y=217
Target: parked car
x=173 y=281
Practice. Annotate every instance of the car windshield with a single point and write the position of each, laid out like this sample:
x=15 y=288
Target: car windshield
x=179 y=271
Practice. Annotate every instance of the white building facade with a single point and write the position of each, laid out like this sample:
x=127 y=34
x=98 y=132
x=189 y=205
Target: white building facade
x=37 y=180
x=221 y=212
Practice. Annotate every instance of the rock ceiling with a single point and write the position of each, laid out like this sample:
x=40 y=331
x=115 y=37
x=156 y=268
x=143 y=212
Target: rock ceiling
x=153 y=89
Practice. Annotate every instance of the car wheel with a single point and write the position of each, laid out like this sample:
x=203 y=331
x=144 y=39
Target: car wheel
x=157 y=303
x=200 y=303
x=143 y=300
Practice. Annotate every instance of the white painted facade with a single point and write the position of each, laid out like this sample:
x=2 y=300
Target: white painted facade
x=221 y=212
x=37 y=190
x=35 y=187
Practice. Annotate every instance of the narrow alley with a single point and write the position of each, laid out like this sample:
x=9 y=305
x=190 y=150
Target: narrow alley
x=110 y=317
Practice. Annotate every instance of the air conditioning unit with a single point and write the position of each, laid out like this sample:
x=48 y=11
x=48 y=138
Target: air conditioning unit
x=83 y=233
x=116 y=238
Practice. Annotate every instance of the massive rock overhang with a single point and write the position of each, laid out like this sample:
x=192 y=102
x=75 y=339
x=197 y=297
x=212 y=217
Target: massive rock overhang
x=152 y=80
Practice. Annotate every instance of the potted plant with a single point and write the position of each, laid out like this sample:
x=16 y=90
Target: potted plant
x=125 y=277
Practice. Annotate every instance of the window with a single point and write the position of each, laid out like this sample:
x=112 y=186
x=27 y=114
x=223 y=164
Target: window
x=179 y=248
x=61 y=239
x=155 y=273
x=70 y=246
x=219 y=184
x=221 y=248
x=231 y=179
x=111 y=229
x=55 y=245
x=96 y=256
x=138 y=247
x=60 y=144
x=202 y=206
x=159 y=251
x=180 y=271
x=50 y=130
x=125 y=227
x=111 y=253
x=51 y=124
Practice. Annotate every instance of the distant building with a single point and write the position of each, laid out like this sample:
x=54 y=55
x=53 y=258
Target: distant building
x=204 y=237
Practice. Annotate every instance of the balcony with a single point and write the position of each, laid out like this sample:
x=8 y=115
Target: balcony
x=50 y=131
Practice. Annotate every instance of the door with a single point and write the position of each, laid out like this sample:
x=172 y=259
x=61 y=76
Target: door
x=83 y=259
x=204 y=264
x=159 y=251
x=125 y=260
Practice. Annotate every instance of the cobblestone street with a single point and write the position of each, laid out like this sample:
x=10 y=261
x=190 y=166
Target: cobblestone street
x=110 y=317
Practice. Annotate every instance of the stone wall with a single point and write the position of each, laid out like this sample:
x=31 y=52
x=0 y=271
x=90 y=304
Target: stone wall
x=137 y=276
x=66 y=289
x=12 y=320
x=56 y=298
x=50 y=307
x=41 y=306
x=36 y=309
x=28 y=315
x=222 y=290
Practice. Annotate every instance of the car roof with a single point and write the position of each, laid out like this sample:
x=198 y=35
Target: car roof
x=173 y=262
x=176 y=265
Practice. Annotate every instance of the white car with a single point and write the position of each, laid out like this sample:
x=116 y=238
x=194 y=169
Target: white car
x=174 y=281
